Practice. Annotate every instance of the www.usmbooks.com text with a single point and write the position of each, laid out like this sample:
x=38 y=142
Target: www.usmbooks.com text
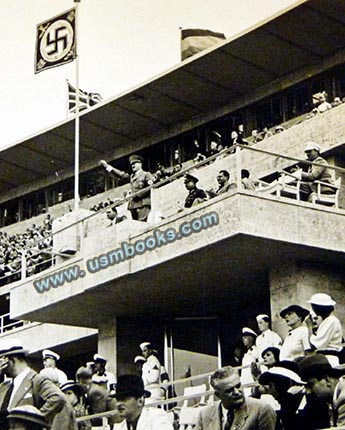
x=126 y=251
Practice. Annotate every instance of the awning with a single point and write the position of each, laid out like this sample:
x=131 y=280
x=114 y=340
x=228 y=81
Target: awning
x=303 y=36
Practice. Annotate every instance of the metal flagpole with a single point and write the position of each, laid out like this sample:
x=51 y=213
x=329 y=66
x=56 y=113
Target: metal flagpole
x=76 y=135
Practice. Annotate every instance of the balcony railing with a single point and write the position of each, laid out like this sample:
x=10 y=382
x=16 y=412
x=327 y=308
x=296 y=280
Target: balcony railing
x=7 y=324
x=263 y=163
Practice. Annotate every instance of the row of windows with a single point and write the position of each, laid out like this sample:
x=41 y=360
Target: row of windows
x=273 y=110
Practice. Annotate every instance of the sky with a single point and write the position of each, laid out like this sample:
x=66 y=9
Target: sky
x=121 y=44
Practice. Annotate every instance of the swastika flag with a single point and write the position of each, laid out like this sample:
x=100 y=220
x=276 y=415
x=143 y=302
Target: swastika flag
x=55 y=41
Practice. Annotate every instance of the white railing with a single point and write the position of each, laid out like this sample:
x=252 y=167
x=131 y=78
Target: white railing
x=237 y=160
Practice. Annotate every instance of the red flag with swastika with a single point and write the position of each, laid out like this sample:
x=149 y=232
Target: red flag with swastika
x=55 y=41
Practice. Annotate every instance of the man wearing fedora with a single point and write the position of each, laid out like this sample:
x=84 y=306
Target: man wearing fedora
x=139 y=205
x=25 y=386
x=323 y=382
x=234 y=410
x=27 y=418
x=130 y=400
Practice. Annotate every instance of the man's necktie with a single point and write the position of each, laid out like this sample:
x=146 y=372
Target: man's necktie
x=229 y=420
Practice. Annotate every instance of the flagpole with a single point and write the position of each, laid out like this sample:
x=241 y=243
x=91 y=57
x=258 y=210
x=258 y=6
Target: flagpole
x=77 y=128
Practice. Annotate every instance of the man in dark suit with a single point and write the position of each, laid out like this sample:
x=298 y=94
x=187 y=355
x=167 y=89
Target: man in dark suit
x=234 y=411
x=25 y=386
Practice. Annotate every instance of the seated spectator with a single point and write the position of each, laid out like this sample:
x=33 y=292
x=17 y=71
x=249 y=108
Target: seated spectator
x=315 y=173
x=323 y=104
x=199 y=157
x=213 y=149
x=130 y=398
x=195 y=195
x=328 y=336
x=279 y=129
x=257 y=137
x=336 y=102
x=223 y=179
x=75 y=393
x=114 y=217
x=266 y=133
x=247 y=183
x=296 y=344
x=287 y=387
x=323 y=382
x=234 y=411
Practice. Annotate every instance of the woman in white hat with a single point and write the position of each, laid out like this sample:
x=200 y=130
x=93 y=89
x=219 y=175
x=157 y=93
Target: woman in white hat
x=328 y=337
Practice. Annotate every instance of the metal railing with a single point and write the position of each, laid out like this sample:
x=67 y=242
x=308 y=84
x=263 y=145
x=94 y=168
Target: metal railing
x=236 y=151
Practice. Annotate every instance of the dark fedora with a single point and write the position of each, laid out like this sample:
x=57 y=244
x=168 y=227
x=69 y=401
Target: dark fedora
x=315 y=365
x=301 y=312
x=130 y=385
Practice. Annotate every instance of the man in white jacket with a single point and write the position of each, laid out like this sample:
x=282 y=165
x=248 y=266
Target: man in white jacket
x=151 y=372
x=130 y=395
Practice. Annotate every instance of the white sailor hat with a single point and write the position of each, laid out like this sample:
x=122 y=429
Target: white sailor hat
x=145 y=345
x=321 y=299
x=261 y=317
x=139 y=358
x=99 y=358
x=312 y=145
x=246 y=331
x=47 y=353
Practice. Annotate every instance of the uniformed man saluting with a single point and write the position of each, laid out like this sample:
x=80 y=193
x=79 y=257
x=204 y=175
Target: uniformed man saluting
x=140 y=205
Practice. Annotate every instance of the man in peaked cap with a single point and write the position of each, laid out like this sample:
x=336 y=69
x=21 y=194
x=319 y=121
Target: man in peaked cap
x=195 y=194
x=24 y=386
x=316 y=173
x=251 y=356
x=151 y=371
x=130 y=395
x=102 y=375
x=49 y=360
x=140 y=205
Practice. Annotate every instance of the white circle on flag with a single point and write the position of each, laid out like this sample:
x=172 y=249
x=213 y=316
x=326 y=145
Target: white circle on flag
x=57 y=41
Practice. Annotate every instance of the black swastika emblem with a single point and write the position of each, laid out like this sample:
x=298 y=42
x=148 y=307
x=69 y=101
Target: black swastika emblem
x=57 y=41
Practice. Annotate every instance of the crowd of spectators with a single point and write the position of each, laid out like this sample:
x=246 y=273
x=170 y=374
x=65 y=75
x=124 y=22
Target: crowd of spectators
x=287 y=383
x=36 y=242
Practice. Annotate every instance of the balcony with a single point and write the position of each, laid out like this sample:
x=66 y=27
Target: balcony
x=249 y=234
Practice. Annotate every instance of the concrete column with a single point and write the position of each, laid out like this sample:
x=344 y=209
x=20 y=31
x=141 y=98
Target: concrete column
x=296 y=282
x=107 y=344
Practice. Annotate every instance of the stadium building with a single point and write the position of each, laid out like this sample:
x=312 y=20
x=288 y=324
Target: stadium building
x=236 y=255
